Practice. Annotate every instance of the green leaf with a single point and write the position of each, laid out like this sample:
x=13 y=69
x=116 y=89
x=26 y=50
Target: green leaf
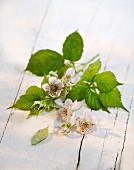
x=91 y=71
x=73 y=47
x=45 y=80
x=26 y=101
x=44 y=61
x=78 y=91
x=92 y=100
x=106 y=81
x=112 y=99
x=105 y=109
x=39 y=136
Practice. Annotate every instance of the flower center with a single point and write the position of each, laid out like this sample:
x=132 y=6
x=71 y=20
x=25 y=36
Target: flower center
x=85 y=126
x=65 y=112
x=54 y=87
x=68 y=76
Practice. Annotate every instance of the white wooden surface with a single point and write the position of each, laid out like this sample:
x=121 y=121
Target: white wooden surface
x=29 y=25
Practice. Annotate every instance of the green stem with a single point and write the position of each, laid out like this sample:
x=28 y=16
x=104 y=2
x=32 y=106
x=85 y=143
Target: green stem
x=89 y=60
x=79 y=71
x=83 y=65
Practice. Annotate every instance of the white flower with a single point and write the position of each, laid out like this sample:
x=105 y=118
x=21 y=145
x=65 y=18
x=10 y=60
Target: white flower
x=68 y=103
x=85 y=124
x=66 y=128
x=67 y=112
x=64 y=131
x=53 y=87
x=70 y=72
x=67 y=78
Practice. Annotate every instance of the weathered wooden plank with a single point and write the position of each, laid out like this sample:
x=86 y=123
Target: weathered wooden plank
x=114 y=145
x=55 y=152
x=115 y=134
x=20 y=25
x=103 y=150
x=104 y=26
x=127 y=152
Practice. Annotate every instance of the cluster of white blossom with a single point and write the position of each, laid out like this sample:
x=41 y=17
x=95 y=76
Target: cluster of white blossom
x=82 y=125
x=67 y=112
x=55 y=86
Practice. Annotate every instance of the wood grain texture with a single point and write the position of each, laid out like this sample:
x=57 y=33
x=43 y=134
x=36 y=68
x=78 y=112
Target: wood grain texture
x=108 y=148
x=20 y=23
x=20 y=132
x=127 y=152
x=107 y=28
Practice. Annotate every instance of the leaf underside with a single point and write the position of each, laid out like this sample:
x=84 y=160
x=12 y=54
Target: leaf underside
x=39 y=136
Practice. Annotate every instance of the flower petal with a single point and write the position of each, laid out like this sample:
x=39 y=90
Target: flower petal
x=87 y=114
x=74 y=105
x=73 y=118
x=52 y=80
x=70 y=71
x=64 y=114
x=58 y=93
x=60 y=84
x=68 y=103
x=85 y=124
x=59 y=102
x=52 y=94
x=46 y=87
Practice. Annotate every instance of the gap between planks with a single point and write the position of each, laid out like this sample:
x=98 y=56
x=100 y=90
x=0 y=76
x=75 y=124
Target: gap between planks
x=36 y=38
x=126 y=128
x=34 y=44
